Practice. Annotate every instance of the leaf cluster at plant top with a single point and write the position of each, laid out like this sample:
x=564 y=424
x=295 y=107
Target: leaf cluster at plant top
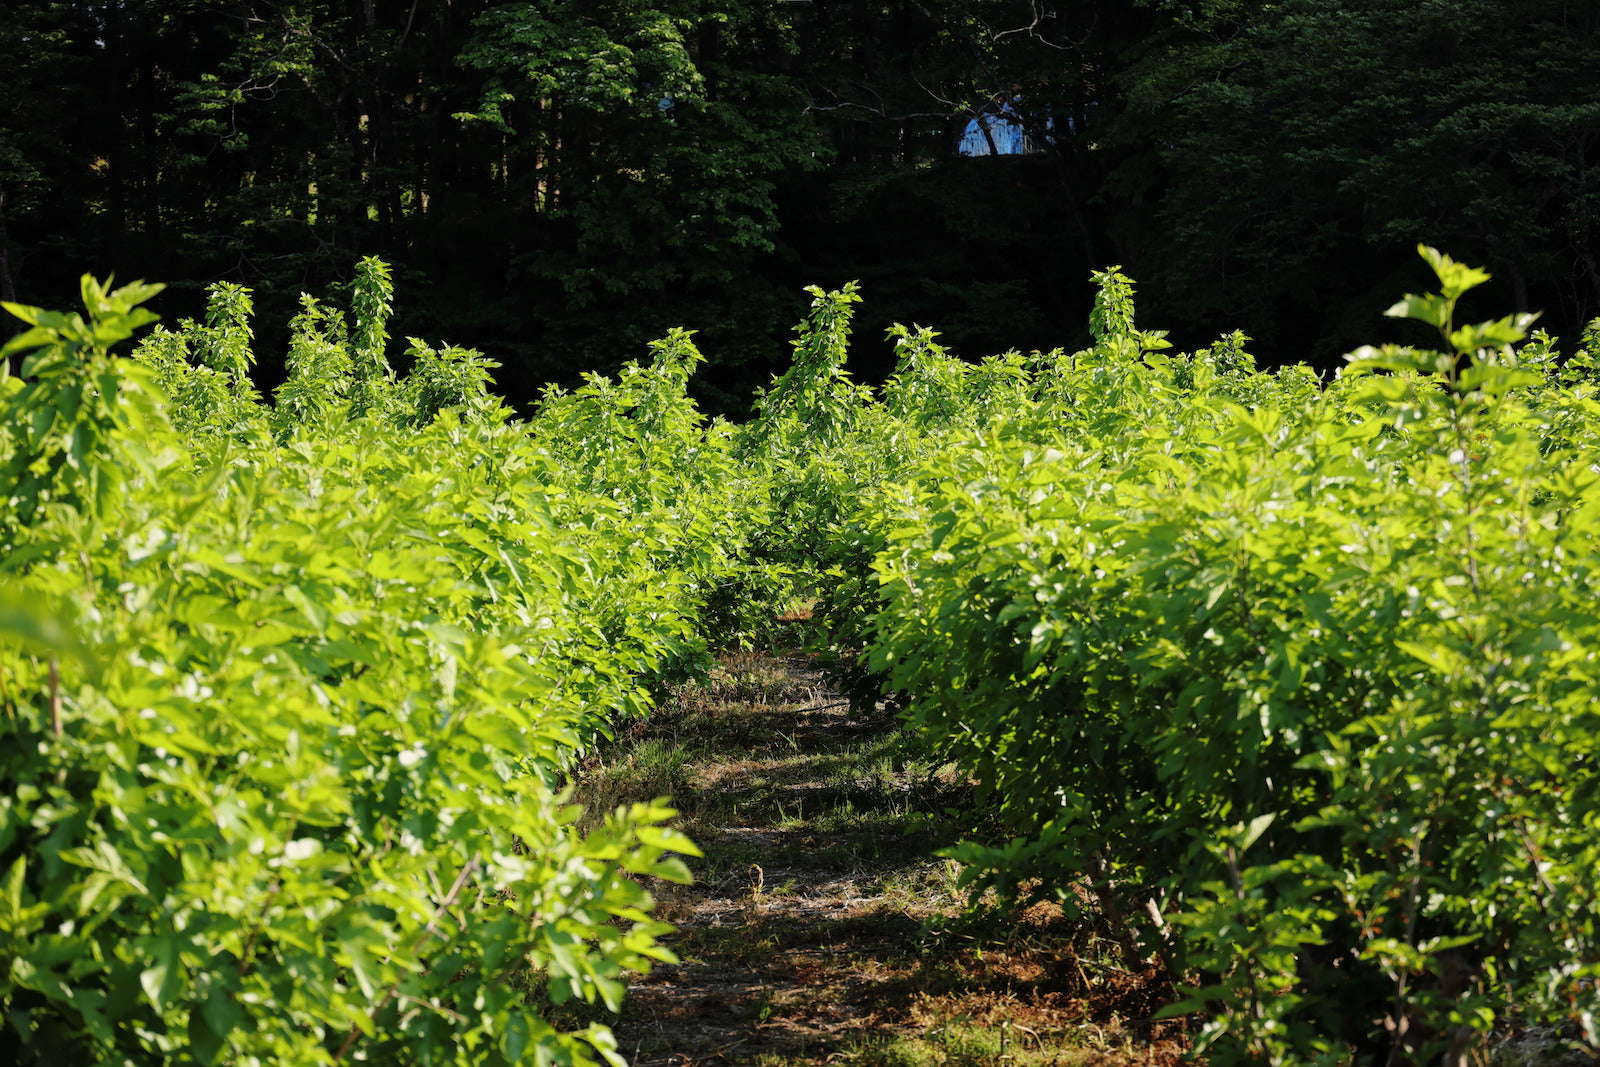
x=1291 y=676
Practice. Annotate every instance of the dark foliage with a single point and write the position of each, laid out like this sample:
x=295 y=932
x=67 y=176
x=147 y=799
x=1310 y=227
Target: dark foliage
x=556 y=184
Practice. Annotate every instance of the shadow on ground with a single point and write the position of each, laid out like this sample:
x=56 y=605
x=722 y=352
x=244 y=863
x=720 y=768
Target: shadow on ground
x=822 y=928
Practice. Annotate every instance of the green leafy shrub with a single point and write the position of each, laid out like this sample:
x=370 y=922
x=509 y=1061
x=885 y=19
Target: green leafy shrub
x=285 y=727
x=1293 y=677
x=1304 y=683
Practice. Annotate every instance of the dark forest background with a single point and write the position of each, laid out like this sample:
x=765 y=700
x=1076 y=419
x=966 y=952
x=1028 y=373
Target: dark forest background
x=557 y=182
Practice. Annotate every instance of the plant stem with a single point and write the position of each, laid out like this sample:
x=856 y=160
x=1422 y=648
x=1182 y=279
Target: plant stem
x=427 y=932
x=55 y=696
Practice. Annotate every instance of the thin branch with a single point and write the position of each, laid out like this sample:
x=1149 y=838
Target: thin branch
x=427 y=933
x=407 y=32
x=407 y=998
x=880 y=112
x=1031 y=29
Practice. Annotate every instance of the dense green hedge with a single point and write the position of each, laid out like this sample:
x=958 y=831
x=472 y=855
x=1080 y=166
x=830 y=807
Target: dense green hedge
x=289 y=702
x=1304 y=687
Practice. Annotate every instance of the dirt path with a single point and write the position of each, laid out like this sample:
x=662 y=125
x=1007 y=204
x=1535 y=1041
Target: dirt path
x=821 y=927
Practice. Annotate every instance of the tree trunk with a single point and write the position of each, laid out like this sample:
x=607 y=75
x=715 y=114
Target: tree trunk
x=8 y=291
x=9 y=326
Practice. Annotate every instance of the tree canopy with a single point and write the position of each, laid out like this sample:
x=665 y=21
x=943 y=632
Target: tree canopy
x=557 y=183
x=1301 y=149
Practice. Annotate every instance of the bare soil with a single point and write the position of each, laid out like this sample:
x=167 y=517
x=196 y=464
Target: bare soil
x=822 y=928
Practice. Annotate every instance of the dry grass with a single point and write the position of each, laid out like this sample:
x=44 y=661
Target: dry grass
x=822 y=928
